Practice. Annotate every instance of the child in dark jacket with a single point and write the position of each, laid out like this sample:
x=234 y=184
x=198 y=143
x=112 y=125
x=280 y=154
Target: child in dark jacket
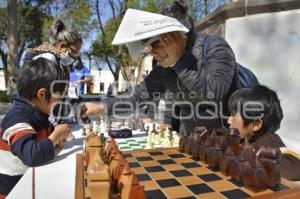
x=257 y=114
x=27 y=138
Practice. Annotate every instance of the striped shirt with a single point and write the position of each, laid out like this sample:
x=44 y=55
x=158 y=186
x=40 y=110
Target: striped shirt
x=24 y=143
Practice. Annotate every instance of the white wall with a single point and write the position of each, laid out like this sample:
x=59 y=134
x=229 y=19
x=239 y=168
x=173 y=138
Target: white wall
x=269 y=44
x=2 y=81
x=103 y=76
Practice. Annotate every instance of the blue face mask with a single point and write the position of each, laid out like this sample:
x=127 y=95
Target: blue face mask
x=66 y=60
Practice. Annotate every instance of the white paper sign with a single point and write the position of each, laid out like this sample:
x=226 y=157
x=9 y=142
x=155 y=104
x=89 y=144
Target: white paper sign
x=138 y=25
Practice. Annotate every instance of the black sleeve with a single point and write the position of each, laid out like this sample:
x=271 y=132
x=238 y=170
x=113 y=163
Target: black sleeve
x=148 y=90
x=211 y=80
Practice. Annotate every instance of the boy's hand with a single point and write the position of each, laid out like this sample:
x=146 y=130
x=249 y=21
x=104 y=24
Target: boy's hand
x=60 y=132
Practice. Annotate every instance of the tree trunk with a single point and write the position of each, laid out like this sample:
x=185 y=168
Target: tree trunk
x=12 y=33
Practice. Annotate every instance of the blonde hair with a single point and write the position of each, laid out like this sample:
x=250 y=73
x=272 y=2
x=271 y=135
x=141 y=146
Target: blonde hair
x=59 y=33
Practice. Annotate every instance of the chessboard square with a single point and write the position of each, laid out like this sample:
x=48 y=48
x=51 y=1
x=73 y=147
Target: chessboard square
x=149 y=163
x=173 y=167
x=177 y=192
x=188 y=197
x=149 y=185
x=140 y=153
x=171 y=151
x=147 y=158
x=168 y=161
x=252 y=192
x=181 y=173
x=209 y=177
x=142 y=141
x=221 y=185
x=191 y=165
x=133 y=164
x=125 y=148
x=189 y=180
x=136 y=147
x=160 y=175
x=178 y=155
x=131 y=159
x=200 y=188
x=127 y=155
x=279 y=188
x=154 y=169
x=160 y=157
x=235 y=194
x=155 y=194
x=183 y=160
x=236 y=182
x=153 y=153
x=138 y=170
x=168 y=183
x=143 y=177
x=134 y=144
x=200 y=171
x=214 y=195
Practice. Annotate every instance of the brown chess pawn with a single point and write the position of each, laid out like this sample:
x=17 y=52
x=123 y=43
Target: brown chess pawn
x=188 y=144
x=214 y=157
x=206 y=149
x=255 y=176
x=269 y=158
x=198 y=135
x=182 y=142
x=132 y=190
x=222 y=131
x=226 y=161
x=234 y=140
x=194 y=147
x=244 y=158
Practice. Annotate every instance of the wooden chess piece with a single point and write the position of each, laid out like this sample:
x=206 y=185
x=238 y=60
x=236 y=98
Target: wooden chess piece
x=194 y=147
x=182 y=142
x=206 y=149
x=255 y=176
x=234 y=140
x=202 y=139
x=269 y=158
x=188 y=145
x=98 y=180
x=214 y=157
x=226 y=161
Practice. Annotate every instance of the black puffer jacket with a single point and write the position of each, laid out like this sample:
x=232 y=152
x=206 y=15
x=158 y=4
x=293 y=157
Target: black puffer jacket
x=191 y=83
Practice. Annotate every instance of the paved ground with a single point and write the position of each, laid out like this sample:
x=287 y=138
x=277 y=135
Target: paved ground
x=4 y=108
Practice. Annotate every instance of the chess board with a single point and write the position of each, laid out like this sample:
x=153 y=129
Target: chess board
x=131 y=144
x=168 y=173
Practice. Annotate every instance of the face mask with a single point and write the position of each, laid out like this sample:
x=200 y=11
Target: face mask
x=66 y=60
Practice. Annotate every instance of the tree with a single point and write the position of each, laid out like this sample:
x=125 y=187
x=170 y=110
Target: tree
x=12 y=43
x=117 y=58
x=200 y=8
x=27 y=33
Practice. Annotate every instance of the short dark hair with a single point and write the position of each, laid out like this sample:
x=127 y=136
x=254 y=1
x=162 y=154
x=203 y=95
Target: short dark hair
x=37 y=74
x=264 y=98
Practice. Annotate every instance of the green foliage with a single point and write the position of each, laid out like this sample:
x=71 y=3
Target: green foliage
x=4 y=97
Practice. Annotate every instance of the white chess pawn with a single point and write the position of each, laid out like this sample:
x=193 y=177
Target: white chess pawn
x=148 y=143
x=166 y=142
x=175 y=139
x=95 y=127
x=102 y=126
x=167 y=132
x=152 y=137
x=156 y=139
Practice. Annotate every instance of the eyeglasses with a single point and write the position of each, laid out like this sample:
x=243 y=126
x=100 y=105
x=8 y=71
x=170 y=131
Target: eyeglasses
x=74 y=51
